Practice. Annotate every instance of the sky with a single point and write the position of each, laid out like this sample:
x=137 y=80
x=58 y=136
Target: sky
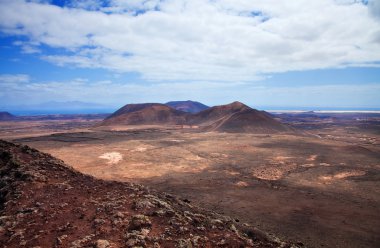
x=298 y=54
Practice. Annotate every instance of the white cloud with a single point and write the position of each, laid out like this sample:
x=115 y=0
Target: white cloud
x=116 y=94
x=225 y=40
x=27 y=47
x=14 y=78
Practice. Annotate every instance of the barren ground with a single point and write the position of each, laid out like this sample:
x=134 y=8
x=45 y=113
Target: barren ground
x=321 y=188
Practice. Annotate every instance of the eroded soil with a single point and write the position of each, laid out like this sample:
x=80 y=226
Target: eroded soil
x=45 y=203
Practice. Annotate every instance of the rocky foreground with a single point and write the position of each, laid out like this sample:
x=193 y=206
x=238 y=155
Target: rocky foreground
x=45 y=203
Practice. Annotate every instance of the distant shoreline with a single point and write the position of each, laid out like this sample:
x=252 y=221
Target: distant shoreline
x=326 y=111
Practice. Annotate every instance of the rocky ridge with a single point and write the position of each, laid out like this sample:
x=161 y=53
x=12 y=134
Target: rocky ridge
x=45 y=203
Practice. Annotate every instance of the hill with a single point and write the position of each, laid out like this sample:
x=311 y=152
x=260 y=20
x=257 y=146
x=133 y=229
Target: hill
x=5 y=116
x=238 y=117
x=215 y=113
x=187 y=106
x=45 y=203
x=249 y=121
x=233 y=117
x=146 y=114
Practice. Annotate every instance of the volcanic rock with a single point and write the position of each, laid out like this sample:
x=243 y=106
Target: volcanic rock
x=146 y=114
x=238 y=117
x=70 y=209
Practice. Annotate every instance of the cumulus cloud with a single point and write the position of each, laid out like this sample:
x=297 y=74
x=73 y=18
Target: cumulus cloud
x=224 y=40
x=14 y=78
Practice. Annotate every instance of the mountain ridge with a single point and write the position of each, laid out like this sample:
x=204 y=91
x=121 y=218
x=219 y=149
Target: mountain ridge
x=6 y=116
x=146 y=113
x=233 y=117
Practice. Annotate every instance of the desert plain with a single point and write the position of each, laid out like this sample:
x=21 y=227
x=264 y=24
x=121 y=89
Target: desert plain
x=318 y=186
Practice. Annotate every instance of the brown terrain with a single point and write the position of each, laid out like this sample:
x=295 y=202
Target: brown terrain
x=45 y=203
x=314 y=182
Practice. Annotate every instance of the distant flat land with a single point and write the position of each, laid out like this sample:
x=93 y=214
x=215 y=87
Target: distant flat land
x=320 y=187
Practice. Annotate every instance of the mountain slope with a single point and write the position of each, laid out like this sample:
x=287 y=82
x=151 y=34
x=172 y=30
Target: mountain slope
x=249 y=121
x=233 y=117
x=6 y=116
x=215 y=113
x=146 y=114
x=45 y=203
x=238 y=117
x=187 y=106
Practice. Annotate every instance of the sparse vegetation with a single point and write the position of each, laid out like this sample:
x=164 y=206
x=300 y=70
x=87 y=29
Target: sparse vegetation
x=70 y=209
x=281 y=183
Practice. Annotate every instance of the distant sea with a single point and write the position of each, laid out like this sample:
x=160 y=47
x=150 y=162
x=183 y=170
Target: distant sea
x=59 y=112
x=29 y=112
x=327 y=111
x=319 y=110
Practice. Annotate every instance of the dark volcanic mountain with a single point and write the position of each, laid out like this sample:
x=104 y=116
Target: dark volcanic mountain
x=215 y=113
x=249 y=121
x=188 y=106
x=45 y=203
x=234 y=117
x=5 y=116
x=146 y=114
x=238 y=117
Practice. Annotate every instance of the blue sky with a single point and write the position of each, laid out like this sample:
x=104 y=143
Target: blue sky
x=311 y=54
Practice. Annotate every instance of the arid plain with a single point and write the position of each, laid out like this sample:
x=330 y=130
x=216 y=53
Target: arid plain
x=319 y=186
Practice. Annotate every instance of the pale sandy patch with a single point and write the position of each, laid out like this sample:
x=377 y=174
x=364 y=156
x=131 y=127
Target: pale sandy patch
x=112 y=157
x=232 y=173
x=343 y=175
x=281 y=158
x=189 y=126
x=307 y=165
x=324 y=164
x=177 y=140
x=241 y=184
x=325 y=178
x=312 y=158
x=355 y=173
x=140 y=149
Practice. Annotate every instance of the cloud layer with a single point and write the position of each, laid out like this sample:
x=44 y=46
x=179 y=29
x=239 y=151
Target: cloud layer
x=16 y=87
x=225 y=40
